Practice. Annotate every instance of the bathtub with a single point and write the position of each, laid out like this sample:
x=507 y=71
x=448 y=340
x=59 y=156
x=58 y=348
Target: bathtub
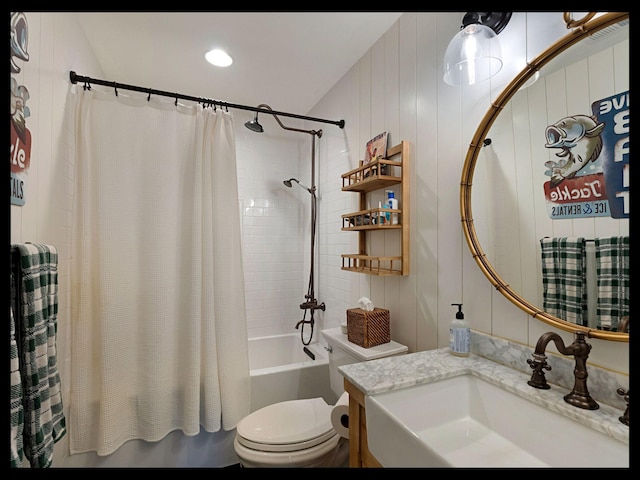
x=281 y=370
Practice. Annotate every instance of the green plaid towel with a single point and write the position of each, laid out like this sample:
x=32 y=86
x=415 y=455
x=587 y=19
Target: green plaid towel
x=16 y=423
x=612 y=267
x=37 y=297
x=564 y=278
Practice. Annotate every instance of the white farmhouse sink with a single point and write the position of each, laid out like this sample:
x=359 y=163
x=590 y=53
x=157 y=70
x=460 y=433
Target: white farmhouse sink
x=465 y=421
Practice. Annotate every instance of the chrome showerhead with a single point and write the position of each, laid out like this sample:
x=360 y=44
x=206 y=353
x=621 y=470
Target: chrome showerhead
x=254 y=126
x=288 y=182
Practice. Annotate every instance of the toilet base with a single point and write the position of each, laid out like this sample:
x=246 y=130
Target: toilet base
x=342 y=455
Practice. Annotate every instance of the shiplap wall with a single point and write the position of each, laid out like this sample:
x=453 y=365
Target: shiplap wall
x=397 y=87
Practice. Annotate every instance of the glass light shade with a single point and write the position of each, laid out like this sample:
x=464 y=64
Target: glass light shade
x=473 y=55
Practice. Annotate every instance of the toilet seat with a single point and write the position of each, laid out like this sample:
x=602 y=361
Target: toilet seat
x=287 y=426
x=322 y=455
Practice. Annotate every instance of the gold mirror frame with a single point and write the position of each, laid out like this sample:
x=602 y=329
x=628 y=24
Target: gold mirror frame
x=584 y=28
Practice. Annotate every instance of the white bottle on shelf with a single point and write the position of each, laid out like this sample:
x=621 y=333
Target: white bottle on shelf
x=392 y=203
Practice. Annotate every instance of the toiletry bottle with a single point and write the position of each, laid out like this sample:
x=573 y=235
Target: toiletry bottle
x=459 y=334
x=392 y=203
x=381 y=215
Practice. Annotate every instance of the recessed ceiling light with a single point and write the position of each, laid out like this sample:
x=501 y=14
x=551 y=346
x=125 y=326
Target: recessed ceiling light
x=218 y=57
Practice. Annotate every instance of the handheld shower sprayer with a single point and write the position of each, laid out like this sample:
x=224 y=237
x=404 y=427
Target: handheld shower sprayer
x=289 y=184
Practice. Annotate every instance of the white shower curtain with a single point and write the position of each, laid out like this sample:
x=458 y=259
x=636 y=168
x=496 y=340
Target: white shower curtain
x=159 y=335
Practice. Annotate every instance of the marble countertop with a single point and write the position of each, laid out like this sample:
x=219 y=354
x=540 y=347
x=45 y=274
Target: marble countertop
x=392 y=373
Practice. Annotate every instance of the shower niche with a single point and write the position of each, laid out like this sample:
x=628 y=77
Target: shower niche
x=376 y=175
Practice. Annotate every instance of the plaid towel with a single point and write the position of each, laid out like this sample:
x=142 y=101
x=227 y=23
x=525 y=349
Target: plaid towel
x=564 y=278
x=612 y=267
x=16 y=410
x=36 y=328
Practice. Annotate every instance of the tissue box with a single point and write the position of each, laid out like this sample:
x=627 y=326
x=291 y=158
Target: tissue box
x=368 y=329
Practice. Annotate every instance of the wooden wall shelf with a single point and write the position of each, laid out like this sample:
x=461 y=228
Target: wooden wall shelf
x=375 y=175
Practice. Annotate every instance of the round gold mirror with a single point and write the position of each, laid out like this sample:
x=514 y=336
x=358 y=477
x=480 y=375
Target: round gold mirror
x=589 y=26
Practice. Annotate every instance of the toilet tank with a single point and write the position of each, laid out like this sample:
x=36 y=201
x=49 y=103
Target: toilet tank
x=344 y=352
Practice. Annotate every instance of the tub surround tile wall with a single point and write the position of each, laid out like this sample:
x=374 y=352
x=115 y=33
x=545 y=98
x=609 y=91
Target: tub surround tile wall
x=275 y=226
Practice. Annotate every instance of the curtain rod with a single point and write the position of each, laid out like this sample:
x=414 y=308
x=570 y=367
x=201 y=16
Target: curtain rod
x=75 y=78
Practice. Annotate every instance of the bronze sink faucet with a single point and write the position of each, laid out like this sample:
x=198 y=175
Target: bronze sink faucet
x=625 y=393
x=579 y=349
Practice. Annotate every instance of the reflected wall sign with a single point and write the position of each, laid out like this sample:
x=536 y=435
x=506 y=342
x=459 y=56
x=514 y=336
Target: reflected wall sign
x=590 y=175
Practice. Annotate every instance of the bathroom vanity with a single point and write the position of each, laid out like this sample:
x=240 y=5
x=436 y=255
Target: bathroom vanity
x=401 y=438
x=359 y=454
x=342 y=352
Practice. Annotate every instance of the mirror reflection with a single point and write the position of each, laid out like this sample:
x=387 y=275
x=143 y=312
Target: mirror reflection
x=551 y=188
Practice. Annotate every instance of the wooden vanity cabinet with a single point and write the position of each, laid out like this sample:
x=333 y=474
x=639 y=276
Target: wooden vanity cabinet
x=359 y=455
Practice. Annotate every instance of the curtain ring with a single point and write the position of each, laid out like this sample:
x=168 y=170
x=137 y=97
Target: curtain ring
x=149 y=96
x=115 y=88
x=176 y=102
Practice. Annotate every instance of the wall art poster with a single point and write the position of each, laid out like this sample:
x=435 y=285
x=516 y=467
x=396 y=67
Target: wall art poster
x=614 y=113
x=376 y=148
x=20 y=149
x=590 y=178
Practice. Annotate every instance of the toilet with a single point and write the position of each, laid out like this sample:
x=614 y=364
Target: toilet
x=299 y=433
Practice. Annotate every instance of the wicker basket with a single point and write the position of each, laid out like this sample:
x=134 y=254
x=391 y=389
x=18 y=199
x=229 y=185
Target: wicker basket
x=368 y=329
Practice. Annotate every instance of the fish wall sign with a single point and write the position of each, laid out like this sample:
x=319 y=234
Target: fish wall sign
x=591 y=176
x=20 y=149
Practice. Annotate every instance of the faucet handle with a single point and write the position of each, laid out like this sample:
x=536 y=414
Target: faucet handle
x=538 y=364
x=624 y=418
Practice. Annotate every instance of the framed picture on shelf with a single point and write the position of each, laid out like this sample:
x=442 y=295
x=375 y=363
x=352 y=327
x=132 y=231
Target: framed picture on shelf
x=376 y=148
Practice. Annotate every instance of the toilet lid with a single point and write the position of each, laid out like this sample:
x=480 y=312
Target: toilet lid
x=286 y=425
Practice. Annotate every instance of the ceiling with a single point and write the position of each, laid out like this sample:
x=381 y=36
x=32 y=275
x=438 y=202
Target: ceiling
x=288 y=60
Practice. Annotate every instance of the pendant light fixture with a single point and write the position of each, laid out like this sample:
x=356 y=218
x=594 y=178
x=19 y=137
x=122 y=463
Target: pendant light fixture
x=474 y=54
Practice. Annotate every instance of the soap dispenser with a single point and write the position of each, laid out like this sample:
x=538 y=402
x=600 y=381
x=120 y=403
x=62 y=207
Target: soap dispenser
x=459 y=334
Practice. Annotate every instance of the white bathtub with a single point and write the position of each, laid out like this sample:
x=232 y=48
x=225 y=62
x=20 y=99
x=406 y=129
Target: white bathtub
x=281 y=370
